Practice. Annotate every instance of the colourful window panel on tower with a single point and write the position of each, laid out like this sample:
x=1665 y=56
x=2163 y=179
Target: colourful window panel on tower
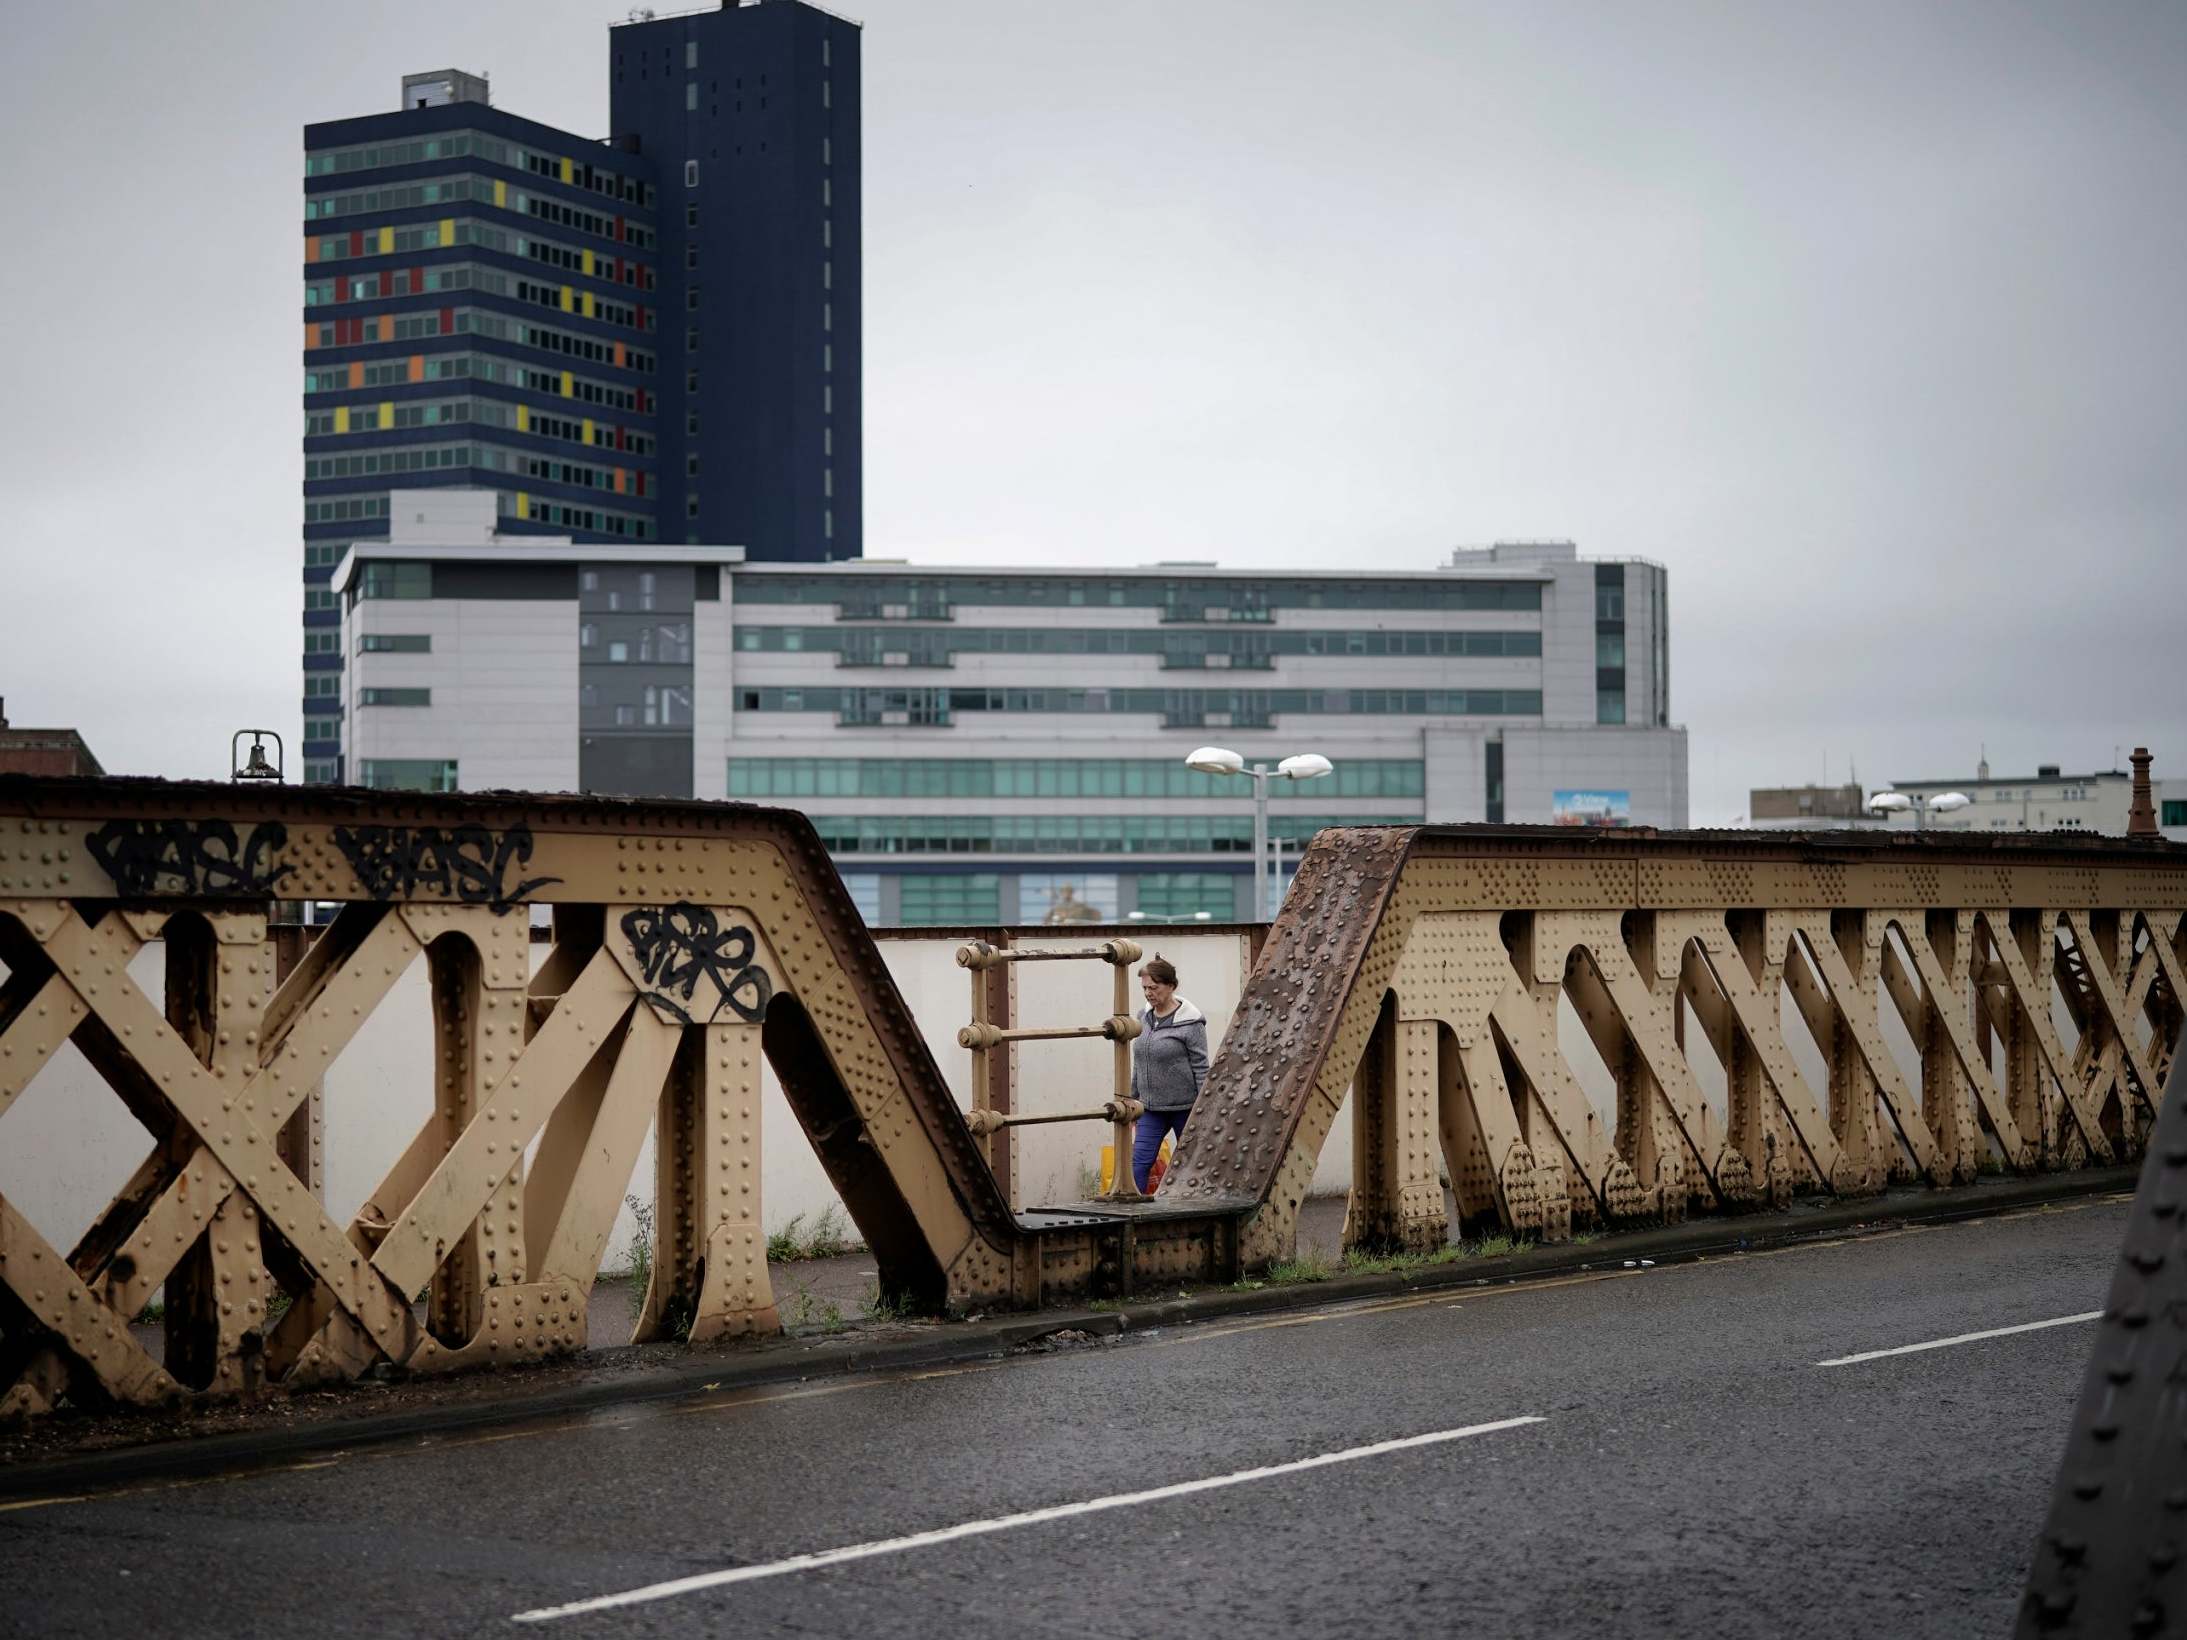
x=568 y=299
x=523 y=505
x=417 y=367
x=569 y=172
x=341 y=418
x=387 y=241
x=387 y=416
x=568 y=387
x=501 y=194
x=311 y=247
x=356 y=373
x=523 y=418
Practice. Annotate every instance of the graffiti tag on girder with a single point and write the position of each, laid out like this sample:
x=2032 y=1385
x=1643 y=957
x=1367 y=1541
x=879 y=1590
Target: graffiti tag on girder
x=190 y=857
x=469 y=863
x=682 y=949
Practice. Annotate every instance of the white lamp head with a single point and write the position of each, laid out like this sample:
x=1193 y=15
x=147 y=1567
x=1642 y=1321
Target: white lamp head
x=1946 y=802
x=1305 y=766
x=1216 y=760
x=1890 y=802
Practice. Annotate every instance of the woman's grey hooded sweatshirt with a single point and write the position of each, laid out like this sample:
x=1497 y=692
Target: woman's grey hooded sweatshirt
x=1169 y=1061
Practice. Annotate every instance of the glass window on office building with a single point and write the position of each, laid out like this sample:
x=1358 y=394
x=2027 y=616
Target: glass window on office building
x=950 y=899
x=864 y=888
x=1181 y=896
x=1058 y=898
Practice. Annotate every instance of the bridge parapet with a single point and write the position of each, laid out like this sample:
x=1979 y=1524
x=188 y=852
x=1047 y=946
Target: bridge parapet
x=1423 y=974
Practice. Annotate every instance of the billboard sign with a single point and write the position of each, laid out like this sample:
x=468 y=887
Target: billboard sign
x=1591 y=808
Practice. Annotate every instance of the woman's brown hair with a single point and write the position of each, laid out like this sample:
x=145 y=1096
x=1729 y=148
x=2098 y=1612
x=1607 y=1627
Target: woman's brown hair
x=1161 y=970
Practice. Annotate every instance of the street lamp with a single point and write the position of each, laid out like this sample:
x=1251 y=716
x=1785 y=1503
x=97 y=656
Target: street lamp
x=1302 y=766
x=1888 y=803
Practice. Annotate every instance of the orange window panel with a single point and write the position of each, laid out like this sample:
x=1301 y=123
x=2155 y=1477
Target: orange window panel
x=618 y=355
x=356 y=372
x=417 y=367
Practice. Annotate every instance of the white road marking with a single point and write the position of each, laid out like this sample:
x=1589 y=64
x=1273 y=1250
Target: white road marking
x=1002 y=1523
x=1964 y=1338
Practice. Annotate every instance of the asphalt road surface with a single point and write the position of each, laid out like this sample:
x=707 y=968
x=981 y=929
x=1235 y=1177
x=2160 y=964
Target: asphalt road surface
x=1665 y=1451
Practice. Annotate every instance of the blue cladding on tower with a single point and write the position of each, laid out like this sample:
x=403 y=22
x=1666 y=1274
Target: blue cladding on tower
x=749 y=117
x=652 y=338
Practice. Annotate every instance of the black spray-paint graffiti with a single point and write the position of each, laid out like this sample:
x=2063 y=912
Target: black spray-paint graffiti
x=190 y=857
x=468 y=862
x=678 y=945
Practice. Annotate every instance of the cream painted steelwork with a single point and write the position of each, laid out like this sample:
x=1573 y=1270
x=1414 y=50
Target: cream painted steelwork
x=1419 y=968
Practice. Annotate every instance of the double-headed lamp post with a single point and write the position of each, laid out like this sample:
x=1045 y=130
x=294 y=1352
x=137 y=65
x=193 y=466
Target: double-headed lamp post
x=1888 y=803
x=1304 y=766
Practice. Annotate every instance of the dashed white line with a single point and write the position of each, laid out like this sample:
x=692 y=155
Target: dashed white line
x=1964 y=1338
x=1003 y=1523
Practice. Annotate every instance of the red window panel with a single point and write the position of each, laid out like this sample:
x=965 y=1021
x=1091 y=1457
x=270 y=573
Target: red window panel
x=417 y=281
x=641 y=482
x=618 y=230
x=356 y=243
x=447 y=321
x=341 y=287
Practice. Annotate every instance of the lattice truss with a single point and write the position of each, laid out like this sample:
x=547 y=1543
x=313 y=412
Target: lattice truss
x=1421 y=970
x=466 y=1251
x=2039 y=1037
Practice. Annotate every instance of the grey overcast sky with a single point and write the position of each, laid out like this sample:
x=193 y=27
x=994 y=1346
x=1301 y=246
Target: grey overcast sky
x=1864 y=318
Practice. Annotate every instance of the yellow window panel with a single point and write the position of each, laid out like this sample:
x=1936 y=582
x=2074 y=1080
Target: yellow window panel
x=569 y=299
x=501 y=192
x=588 y=264
x=341 y=418
x=387 y=416
x=523 y=418
x=588 y=306
x=447 y=231
x=568 y=171
x=387 y=241
x=588 y=430
x=523 y=504
x=569 y=390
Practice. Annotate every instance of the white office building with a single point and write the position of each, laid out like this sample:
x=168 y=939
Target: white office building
x=982 y=745
x=2050 y=799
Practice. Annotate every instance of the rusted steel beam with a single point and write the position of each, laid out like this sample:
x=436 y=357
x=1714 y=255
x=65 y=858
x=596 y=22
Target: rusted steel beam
x=1417 y=972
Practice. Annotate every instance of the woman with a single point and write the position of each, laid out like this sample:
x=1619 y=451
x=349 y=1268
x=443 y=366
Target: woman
x=1168 y=1064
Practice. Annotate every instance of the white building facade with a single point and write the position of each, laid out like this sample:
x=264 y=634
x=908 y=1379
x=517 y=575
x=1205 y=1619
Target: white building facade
x=2048 y=800
x=980 y=746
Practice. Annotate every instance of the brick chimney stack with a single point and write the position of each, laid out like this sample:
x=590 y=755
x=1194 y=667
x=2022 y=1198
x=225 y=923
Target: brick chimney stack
x=2141 y=813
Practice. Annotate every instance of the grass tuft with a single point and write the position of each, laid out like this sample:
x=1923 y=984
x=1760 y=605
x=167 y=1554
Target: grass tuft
x=1308 y=1266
